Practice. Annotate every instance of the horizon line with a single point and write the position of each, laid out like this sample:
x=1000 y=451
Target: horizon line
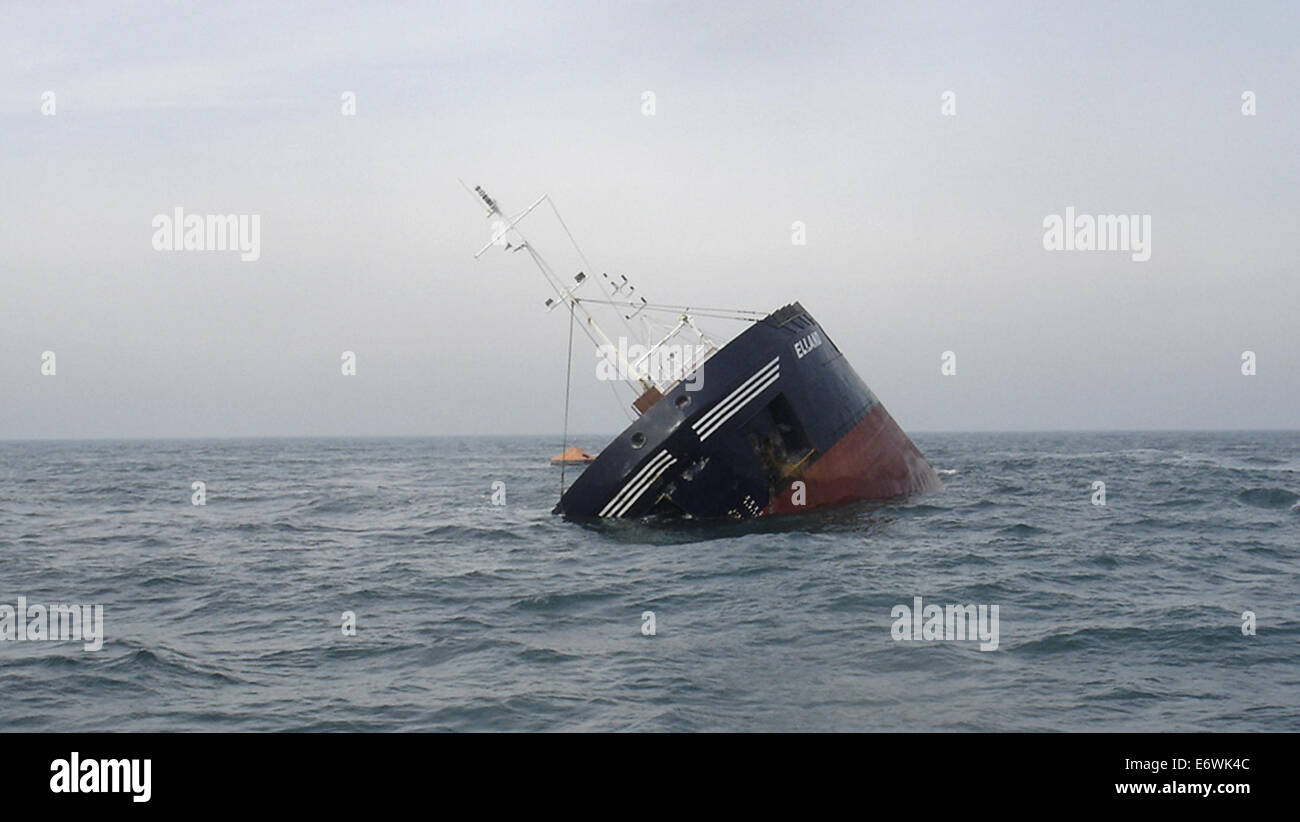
x=612 y=436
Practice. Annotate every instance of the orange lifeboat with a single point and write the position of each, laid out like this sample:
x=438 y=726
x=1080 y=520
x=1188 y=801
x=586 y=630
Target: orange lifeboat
x=573 y=456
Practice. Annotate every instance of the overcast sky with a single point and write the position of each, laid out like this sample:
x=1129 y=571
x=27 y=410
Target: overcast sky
x=924 y=231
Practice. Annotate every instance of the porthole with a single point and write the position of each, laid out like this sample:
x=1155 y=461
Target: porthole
x=638 y=440
x=683 y=401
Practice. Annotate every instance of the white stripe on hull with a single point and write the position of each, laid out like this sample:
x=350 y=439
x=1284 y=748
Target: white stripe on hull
x=708 y=424
x=645 y=486
x=646 y=469
x=722 y=406
x=758 y=389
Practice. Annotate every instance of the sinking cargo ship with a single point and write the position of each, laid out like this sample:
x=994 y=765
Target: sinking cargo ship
x=775 y=421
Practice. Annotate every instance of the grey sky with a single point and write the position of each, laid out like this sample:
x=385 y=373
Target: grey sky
x=924 y=230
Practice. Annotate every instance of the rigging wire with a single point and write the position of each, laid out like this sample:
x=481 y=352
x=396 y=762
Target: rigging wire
x=565 y=226
x=714 y=313
x=613 y=386
x=568 y=381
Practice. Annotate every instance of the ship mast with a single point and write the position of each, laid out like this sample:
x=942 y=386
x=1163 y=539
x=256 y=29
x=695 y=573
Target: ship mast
x=642 y=372
x=507 y=235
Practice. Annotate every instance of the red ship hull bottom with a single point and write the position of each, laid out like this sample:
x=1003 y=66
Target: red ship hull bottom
x=875 y=460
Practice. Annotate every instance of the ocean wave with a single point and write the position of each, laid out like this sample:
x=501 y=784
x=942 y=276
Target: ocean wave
x=1021 y=529
x=1269 y=497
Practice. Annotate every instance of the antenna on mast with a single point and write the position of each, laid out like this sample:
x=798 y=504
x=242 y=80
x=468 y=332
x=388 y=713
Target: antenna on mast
x=479 y=194
x=488 y=201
